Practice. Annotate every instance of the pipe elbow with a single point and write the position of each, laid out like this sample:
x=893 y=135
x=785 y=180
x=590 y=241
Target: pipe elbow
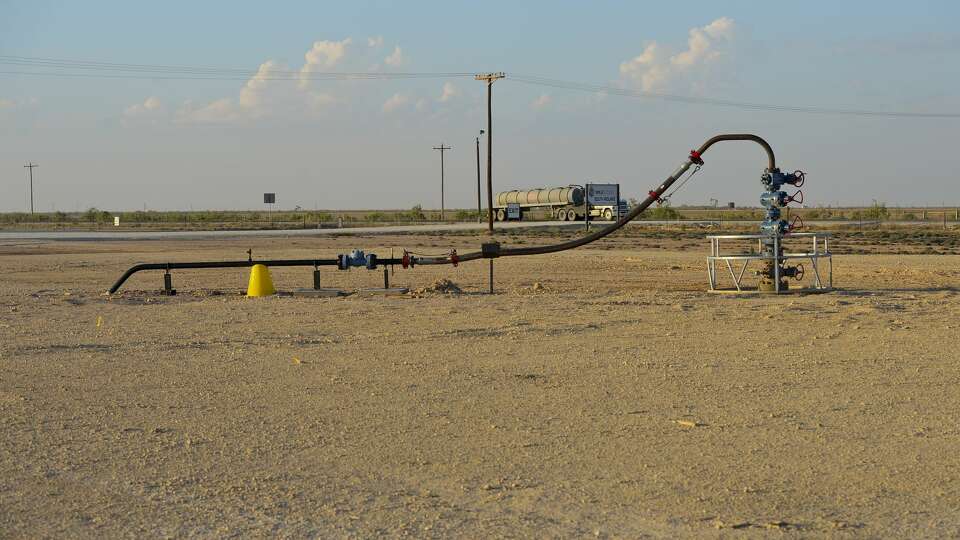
x=771 y=159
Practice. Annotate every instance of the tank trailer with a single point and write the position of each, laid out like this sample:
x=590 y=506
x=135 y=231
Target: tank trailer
x=562 y=203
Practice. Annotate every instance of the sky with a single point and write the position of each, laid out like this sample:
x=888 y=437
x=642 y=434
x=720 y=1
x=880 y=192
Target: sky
x=129 y=140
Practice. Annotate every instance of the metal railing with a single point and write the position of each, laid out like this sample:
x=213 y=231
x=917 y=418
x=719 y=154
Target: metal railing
x=820 y=251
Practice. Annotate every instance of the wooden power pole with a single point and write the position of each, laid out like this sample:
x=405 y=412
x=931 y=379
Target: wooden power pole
x=479 y=209
x=31 y=166
x=490 y=78
x=442 y=149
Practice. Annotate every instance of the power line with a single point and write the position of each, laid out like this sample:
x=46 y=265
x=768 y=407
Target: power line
x=67 y=68
x=94 y=69
x=595 y=88
x=325 y=76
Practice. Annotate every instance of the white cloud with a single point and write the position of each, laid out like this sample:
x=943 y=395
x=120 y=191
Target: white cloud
x=396 y=57
x=394 y=102
x=253 y=94
x=649 y=69
x=151 y=109
x=322 y=56
x=449 y=92
x=12 y=104
x=375 y=41
x=268 y=92
x=259 y=95
x=318 y=100
x=542 y=101
x=656 y=68
x=703 y=42
x=219 y=111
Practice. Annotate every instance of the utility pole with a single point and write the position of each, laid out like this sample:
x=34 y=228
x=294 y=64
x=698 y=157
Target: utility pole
x=442 y=149
x=479 y=210
x=490 y=77
x=30 y=166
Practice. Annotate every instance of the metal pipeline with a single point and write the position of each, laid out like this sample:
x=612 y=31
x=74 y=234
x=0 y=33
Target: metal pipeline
x=653 y=196
x=505 y=252
x=233 y=264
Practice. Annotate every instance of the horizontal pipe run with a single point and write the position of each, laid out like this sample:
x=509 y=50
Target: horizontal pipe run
x=232 y=264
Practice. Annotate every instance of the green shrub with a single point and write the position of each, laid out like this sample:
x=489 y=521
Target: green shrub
x=664 y=212
x=877 y=211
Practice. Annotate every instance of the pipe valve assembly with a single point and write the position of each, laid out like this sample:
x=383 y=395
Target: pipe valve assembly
x=774 y=227
x=357 y=258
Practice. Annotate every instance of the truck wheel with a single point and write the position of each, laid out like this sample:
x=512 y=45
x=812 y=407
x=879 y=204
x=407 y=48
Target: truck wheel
x=607 y=214
x=501 y=215
x=572 y=215
x=562 y=214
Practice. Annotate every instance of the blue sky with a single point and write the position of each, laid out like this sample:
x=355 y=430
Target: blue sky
x=122 y=143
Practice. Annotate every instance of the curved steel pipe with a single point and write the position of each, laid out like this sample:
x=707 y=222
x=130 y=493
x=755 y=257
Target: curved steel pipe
x=654 y=196
x=771 y=159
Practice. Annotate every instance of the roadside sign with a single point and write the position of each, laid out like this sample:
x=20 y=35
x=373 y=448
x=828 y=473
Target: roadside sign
x=603 y=194
x=513 y=211
x=116 y=221
x=269 y=198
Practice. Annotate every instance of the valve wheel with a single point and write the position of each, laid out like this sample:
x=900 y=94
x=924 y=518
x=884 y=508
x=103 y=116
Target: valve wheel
x=799 y=273
x=801 y=177
x=794 y=226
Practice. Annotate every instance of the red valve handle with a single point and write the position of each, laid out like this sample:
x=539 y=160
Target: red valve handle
x=794 y=198
x=793 y=225
x=454 y=258
x=799 y=273
x=801 y=178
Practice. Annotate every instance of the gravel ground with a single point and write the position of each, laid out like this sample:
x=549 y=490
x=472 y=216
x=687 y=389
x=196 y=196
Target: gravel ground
x=600 y=392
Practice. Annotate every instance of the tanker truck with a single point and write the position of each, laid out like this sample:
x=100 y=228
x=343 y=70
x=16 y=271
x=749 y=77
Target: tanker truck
x=562 y=203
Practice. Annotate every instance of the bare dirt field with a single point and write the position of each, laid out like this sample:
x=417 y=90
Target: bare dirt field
x=601 y=392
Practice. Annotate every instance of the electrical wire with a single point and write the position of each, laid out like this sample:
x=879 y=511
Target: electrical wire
x=94 y=69
x=327 y=76
x=680 y=185
x=59 y=67
x=625 y=92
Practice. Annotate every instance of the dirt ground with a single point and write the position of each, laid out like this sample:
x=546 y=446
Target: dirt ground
x=599 y=392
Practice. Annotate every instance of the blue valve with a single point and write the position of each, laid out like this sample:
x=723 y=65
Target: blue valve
x=356 y=258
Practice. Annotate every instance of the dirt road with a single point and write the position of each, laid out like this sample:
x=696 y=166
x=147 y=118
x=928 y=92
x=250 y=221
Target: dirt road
x=598 y=393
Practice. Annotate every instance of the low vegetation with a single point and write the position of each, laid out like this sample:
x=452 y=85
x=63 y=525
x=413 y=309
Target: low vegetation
x=94 y=217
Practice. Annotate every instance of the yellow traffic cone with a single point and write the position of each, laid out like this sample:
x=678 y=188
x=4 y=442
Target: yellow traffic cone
x=260 y=282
